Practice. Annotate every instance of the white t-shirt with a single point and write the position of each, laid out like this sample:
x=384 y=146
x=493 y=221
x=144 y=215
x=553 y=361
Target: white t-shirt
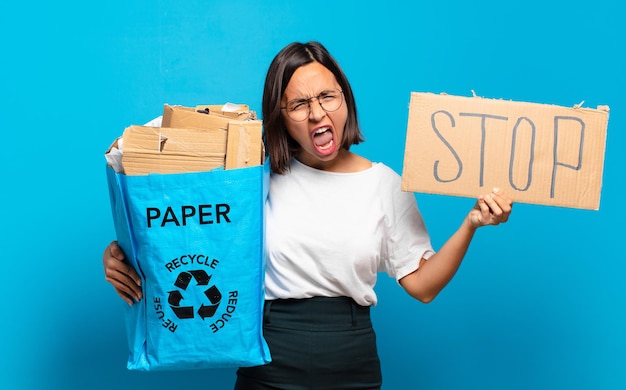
x=329 y=234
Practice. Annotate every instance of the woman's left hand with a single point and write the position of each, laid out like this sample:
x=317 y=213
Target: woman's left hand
x=491 y=209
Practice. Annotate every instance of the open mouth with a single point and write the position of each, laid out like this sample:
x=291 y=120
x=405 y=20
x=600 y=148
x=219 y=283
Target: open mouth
x=323 y=139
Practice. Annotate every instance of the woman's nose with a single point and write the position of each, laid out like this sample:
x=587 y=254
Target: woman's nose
x=316 y=112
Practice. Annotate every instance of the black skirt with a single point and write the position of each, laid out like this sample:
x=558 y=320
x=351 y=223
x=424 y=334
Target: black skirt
x=316 y=343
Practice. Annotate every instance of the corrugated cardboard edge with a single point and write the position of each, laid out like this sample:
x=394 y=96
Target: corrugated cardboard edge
x=186 y=117
x=172 y=150
x=244 y=147
x=242 y=113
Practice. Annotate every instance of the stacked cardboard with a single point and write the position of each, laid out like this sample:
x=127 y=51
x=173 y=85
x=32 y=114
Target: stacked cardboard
x=194 y=140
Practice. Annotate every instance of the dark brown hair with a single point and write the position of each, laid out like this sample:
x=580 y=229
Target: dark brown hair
x=280 y=146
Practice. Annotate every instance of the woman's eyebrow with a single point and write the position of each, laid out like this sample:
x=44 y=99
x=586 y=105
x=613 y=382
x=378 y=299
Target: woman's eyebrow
x=302 y=99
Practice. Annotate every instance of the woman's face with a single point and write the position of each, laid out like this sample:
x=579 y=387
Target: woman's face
x=320 y=135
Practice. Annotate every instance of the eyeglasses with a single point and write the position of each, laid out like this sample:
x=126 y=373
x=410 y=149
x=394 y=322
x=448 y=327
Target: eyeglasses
x=300 y=109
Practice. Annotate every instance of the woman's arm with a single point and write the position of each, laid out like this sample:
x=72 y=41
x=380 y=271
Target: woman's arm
x=434 y=274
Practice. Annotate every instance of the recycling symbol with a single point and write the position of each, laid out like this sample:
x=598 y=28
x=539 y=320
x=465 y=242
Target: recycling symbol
x=202 y=280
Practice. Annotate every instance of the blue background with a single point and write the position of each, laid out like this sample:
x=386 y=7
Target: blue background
x=539 y=303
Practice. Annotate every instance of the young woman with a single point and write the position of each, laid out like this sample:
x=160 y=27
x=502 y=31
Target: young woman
x=334 y=221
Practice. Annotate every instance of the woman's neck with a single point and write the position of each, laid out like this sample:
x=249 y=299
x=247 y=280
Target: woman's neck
x=345 y=162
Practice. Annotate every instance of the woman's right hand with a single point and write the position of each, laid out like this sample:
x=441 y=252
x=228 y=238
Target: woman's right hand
x=120 y=274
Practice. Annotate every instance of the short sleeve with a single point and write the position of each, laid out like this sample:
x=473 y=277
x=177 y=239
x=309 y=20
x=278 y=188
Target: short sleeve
x=407 y=240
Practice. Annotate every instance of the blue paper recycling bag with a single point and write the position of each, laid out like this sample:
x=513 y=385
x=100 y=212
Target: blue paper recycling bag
x=197 y=241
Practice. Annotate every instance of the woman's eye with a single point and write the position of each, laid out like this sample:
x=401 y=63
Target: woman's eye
x=298 y=106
